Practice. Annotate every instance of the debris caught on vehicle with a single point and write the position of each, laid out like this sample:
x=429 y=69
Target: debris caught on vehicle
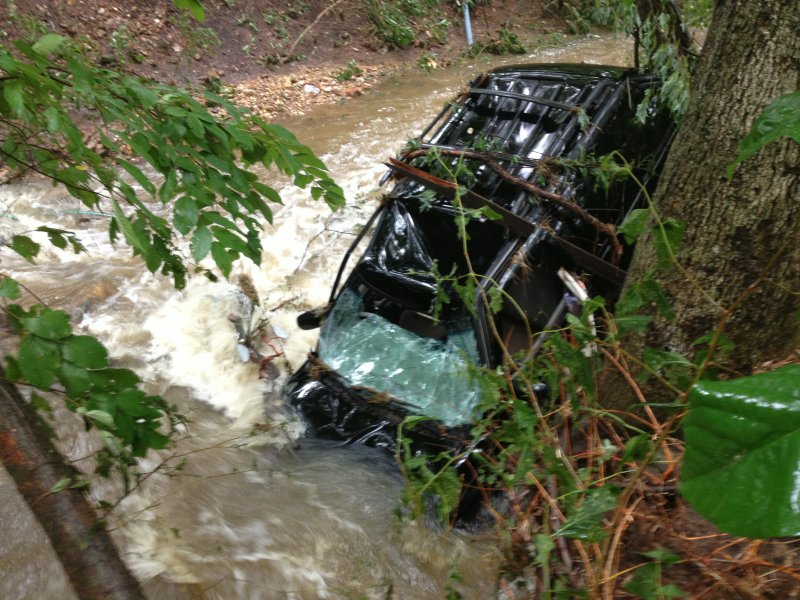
x=496 y=185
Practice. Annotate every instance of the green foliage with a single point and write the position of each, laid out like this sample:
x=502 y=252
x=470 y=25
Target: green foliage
x=167 y=165
x=51 y=357
x=506 y=42
x=195 y=7
x=428 y=479
x=586 y=520
x=428 y=61
x=779 y=119
x=392 y=25
x=203 y=159
x=661 y=41
x=397 y=22
x=646 y=581
x=743 y=453
x=350 y=70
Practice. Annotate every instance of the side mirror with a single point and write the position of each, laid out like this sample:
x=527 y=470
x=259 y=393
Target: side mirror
x=312 y=319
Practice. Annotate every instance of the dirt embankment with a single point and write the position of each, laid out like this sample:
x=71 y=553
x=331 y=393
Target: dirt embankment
x=275 y=57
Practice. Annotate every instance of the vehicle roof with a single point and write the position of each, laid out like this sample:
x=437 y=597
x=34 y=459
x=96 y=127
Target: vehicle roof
x=581 y=69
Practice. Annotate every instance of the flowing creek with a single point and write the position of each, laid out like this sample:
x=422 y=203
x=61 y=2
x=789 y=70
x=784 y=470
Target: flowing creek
x=249 y=508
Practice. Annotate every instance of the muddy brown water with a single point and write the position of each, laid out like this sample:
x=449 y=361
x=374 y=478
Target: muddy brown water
x=244 y=506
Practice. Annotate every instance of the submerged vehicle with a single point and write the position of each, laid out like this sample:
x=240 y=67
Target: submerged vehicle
x=499 y=185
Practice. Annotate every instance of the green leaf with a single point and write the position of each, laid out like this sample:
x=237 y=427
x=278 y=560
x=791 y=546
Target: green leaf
x=85 y=351
x=138 y=175
x=134 y=403
x=38 y=361
x=635 y=224
x=113 y=379
x=168 y=188
x=48 y=43
x=662 y=360
x=636 y=323
x=132 y=235
x=76 y=381
x=667 y=239
x=637 y=448
x=781 y=118
x=662 y=555
x=25 y=247
x=101 y=417
x=222 y=257
x=9 y=288
x=646 y=584
x=12 y=91
x=48 y=324
x=201 y=243
x=185 y=215
x=148 y=439
x=586 y=522
x=61 y=485
x=193 y=6
x=743 y=453
x=544 y=547
x=53 y=116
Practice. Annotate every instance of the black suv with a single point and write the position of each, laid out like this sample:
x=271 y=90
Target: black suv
x=397 y=339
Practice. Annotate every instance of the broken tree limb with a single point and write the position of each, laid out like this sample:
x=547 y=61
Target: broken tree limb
x=89 y=557
x=606 y=229
x=511 y=221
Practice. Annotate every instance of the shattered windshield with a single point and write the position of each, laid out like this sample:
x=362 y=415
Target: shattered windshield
x=434 y=377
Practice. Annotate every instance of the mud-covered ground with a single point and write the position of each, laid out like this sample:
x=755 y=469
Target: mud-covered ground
x=276 y=57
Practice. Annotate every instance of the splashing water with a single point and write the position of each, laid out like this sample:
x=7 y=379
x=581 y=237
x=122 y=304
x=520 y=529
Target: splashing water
x=243 y=506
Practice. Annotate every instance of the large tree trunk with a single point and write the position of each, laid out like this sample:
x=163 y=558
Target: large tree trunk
x=82 y=544
x=734 y=229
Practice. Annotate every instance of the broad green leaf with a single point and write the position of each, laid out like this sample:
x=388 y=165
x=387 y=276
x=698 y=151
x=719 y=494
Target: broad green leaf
x=9 y=288
x=38 y=361
x=635 y=224
x=168 y=188
x=586 y=522
x=201 y=243
x=185 y=215
x=49 y=42
x=221 y=256
x=134 y=403
x=781 y=118
x=101 y=417
x=743 y=453
x=53 y=116
x=12 y=91
x=85 y=351
x=25 y=247
x=134 y=171
x=48 y=324
x=132 y=235
x=76 y=381
x=118 y=379
x=149 y=439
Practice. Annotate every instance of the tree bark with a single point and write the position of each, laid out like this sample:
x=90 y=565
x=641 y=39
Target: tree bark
x=736 y=231
x=78 y=536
